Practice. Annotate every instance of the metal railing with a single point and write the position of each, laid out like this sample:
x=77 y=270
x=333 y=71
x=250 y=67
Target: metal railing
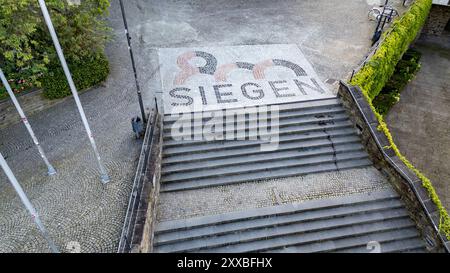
x=127 y=234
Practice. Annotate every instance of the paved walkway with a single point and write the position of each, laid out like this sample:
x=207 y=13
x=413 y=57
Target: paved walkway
x=420 y=121
x=74 y=205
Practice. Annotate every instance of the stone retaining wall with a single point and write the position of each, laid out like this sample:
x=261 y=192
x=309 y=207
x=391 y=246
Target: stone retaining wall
x=420 y=207
x=31 y=103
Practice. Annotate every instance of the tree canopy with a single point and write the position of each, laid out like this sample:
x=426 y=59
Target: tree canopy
x=26 y=48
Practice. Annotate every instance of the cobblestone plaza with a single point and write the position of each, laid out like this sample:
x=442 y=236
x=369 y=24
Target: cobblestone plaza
x=76 y=208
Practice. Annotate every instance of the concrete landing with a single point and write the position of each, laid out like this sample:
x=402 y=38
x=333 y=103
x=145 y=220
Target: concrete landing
x=216 y=200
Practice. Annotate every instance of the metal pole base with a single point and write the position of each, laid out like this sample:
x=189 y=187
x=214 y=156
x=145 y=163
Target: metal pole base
x=105 y=178
x=51 y=171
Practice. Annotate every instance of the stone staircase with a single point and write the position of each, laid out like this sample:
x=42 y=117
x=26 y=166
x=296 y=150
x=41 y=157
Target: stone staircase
x=314 y=137
x=344 y=224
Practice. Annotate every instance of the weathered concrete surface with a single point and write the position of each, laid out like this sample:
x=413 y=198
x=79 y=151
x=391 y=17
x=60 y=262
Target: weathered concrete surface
x=74 y=205
x=333 y=36
x=419 y=122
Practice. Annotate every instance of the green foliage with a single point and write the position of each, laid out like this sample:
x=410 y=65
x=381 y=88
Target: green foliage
x=85 y=73
x=404 y=71
x=374 y=75
x=26 y=48
x=384 y=102
x=376 y=72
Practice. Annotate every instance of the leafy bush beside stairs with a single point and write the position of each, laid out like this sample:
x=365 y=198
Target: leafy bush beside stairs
x=404 y=72
x=373 y=76
x=85 y=73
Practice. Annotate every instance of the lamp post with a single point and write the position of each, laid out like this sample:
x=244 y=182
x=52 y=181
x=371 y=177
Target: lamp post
x=130 y=49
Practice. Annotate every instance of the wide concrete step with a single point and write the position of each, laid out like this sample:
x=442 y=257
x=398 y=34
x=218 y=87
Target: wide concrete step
x=230 y=148
x=303 y=107
x=231 y=160
x=274 y=220
x=357 y=243
x=173 y=147
x=314 y=236
x=300 y=147
x=319 y=165
x=313 y=139
x=257 y=166
x=284 y=209
x=245 y=119
x=331 y=224
x=413 y=244
x=254 y=129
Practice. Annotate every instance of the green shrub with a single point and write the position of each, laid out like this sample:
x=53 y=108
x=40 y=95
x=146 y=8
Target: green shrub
x=26 y=48
x=384 y=102
x=85 y=73
x=374 y=75
x=404 y=72
x=376 y=72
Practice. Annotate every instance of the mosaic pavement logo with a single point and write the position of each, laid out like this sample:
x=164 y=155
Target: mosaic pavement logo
x=253 y=78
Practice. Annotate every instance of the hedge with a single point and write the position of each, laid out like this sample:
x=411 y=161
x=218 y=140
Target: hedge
x=373 y=76
x=85 y=73
x=377 y=71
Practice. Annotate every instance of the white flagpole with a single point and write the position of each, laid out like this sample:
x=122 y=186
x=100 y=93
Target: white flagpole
x=51 y=170
x=104 y=176
x=27 y=203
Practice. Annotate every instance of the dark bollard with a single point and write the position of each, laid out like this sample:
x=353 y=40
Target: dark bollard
x=138 y=127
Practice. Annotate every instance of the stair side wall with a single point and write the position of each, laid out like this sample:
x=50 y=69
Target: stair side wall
x=152 y=185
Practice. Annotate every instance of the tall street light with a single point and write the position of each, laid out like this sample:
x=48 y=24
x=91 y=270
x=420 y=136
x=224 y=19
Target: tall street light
x=138 y=88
